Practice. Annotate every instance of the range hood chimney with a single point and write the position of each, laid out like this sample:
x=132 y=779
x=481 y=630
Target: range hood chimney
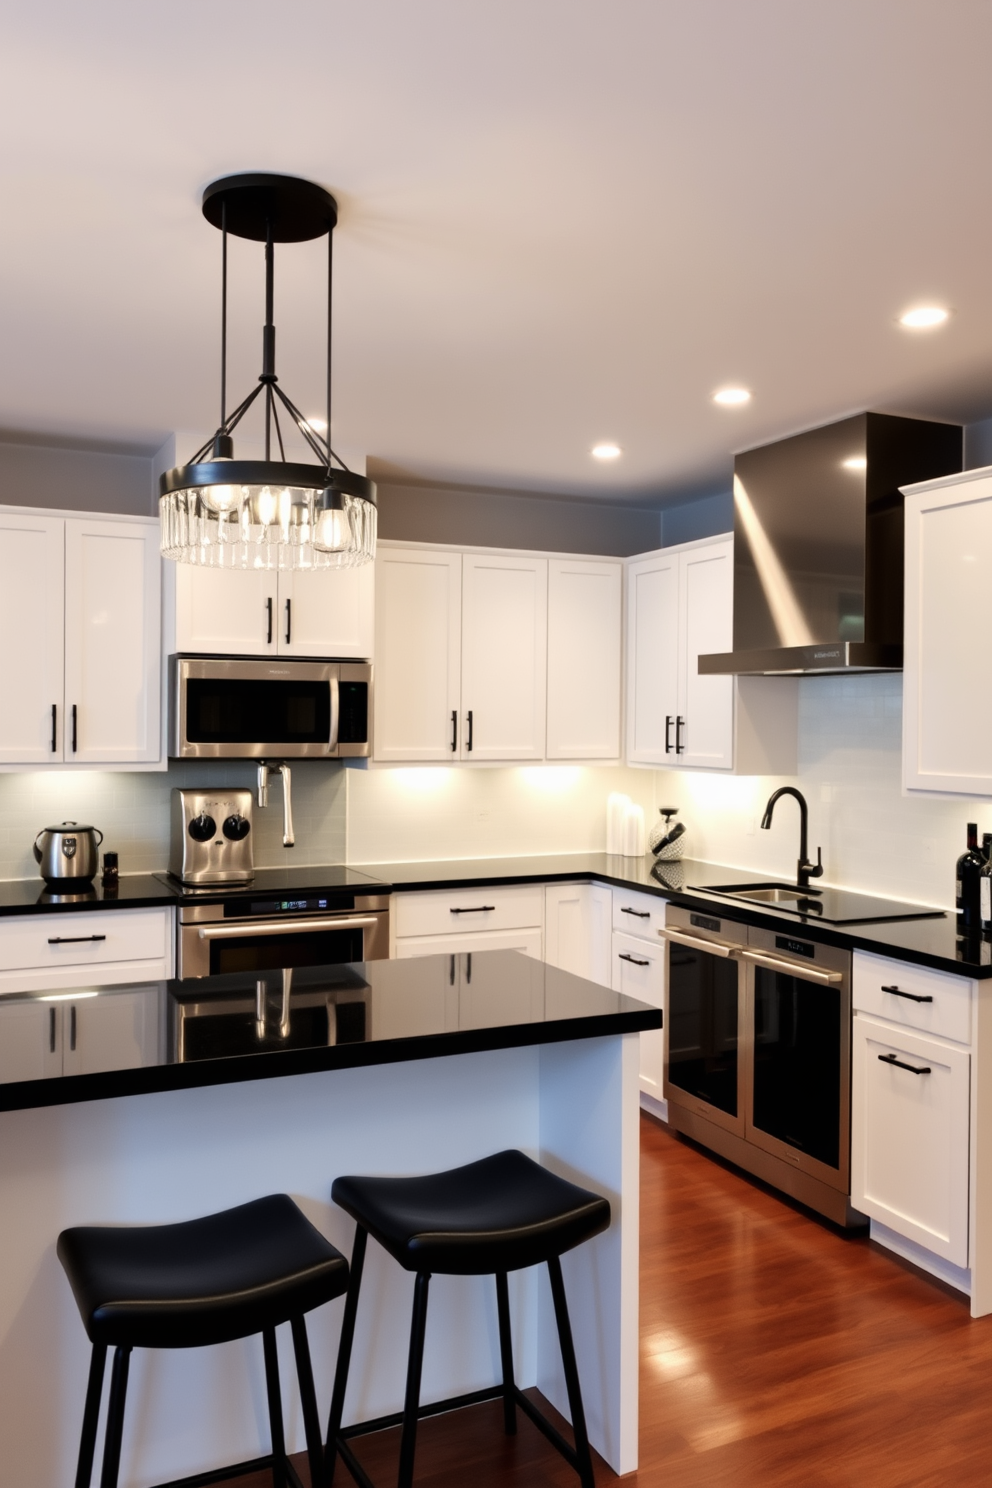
x=818 y=545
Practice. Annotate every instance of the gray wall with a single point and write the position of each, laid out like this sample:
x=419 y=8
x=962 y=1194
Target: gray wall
x=500 y=519
x=978 y=444
x=705 y=517
x=75 y=479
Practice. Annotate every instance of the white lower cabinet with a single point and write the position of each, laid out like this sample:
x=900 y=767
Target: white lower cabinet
x=527 y=940
x=30 y=1041
x=910 y=1134
x=98 y=948
x=577 y=929
x=45 y=1037
x=473 y=919
x=639 y=971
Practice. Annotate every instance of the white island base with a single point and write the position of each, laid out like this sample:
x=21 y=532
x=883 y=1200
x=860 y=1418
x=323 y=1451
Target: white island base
x=170 y=1156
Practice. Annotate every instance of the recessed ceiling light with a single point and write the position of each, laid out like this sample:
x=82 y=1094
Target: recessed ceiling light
x=924 y=317
x=318 y=425
x=855 y=462
x=606 y=451
x=732 y=397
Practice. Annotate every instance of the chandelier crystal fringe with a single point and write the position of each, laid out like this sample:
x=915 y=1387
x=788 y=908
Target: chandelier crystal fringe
x=226 y=513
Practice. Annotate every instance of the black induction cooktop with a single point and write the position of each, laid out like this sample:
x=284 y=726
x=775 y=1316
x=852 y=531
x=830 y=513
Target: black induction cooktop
x=279 y=881
x=828 y=906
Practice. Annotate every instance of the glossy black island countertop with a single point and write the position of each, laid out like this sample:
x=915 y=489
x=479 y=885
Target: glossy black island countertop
x=219 y=1030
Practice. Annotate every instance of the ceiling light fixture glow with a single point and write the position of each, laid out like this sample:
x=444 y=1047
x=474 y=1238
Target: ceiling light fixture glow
x=924 y=317
x=732 y=397
x=855 y=462
x=606 y=451
x=271 y=513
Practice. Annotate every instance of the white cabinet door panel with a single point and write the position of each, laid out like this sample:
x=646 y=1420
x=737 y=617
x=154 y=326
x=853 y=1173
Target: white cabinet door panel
x=32 y=579
x=652 y=658
x=910 y=1135
x=327 y=612
x=112 y=642
x=584 y=645
x=417 y=654
x=30 y=1041
x=226 y=611
x=707 y=612
x=115 y=1030
x=639 y=971
x=504 y=657
x=577 y=929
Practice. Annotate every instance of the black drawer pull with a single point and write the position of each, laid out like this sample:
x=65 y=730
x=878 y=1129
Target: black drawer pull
x=891 y=1059
x=626 y=956
x=475 y=909
x=642 y=914
x=72 y=939
x=910 y=996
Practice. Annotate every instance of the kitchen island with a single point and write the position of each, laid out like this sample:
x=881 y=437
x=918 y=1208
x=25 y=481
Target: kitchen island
x=242 y=1085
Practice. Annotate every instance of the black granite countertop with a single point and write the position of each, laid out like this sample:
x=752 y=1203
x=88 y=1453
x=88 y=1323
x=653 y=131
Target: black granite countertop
x=147 y=890
x=217 y=1030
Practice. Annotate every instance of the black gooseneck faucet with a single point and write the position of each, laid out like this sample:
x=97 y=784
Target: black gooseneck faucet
x=805 y=870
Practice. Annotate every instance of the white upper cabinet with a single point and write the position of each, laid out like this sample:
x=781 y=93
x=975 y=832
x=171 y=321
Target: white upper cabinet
x=652 y=657
x=265 y=612
x=32 y=587
x=584 y=649
x=87 y=688
x=418 y=607
x=947 y=706
x=706 y=624
x=504 y=657
x=112 y=642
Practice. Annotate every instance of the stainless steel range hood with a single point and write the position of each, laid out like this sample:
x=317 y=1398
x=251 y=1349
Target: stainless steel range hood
x=818 y=545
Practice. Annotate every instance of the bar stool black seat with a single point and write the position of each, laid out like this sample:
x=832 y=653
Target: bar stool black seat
x=489 y=1217
x=204 y=1281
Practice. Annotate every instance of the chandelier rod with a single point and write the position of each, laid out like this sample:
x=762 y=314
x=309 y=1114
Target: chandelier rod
x=232 y=423
x=223 y=319
x=330 y=307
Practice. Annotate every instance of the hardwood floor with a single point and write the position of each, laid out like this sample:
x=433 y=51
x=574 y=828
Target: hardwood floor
x=773 y=1352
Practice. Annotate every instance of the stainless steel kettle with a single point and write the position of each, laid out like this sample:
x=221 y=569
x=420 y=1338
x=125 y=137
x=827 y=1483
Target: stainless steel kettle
x=68 y=851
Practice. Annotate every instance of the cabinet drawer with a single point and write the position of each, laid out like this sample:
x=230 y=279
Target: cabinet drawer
x=638 y=914
x=528 y=941
x=888 y=989
x=60 y=950
x=455 y=911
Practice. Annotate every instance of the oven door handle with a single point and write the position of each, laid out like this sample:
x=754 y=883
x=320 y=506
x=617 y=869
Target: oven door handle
x=696 y=942
x=335 y=686
x=283 y=927
x=793 y=968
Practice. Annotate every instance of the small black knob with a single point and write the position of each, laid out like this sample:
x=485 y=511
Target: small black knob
x=236 y=828
x=202 y=827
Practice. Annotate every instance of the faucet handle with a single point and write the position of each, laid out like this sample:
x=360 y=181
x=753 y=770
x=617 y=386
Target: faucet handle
x=817 y=872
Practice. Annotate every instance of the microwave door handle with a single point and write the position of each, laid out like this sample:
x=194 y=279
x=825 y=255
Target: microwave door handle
x=335 y=685
x=241 y=928
x=697 y=943
x=793 y=968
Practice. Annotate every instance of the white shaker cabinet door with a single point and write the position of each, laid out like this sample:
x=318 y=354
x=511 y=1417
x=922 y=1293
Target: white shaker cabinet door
x=112 y=642
x=30 y=1041
x=947 y=705
x=584 y=648
x=226 y=611
x=504 y=657
x=706 y=729
x=578 y=929
x=32 y=567
x=418 y=604
x=115 y=1030
x=652 y=658
x=639 y=971
x=326 y=612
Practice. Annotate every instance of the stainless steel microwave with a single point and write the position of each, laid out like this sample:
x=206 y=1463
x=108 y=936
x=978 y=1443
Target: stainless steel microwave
x=246 y=708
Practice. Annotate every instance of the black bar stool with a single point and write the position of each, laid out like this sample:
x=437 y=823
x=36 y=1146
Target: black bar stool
x=205 y=1281
x=489 y=1217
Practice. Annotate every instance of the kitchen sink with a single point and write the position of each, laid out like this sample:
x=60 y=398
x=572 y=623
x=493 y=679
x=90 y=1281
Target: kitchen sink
x=765 y=893
x=828 y=906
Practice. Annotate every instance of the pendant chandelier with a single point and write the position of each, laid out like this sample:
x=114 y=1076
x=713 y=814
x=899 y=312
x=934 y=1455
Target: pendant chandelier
x=271 y=513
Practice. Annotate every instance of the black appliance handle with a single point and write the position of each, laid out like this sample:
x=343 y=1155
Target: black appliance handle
x=454 y=730
x=625 y=956
x=910 y=996
x=668 y=733
x=72 y=939
x=268 y=610
x=891 y=1059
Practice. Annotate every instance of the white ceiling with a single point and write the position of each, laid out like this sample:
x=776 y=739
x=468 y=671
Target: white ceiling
x=560 y=221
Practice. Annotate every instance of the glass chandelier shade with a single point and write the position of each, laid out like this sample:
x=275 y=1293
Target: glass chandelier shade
x=220 y=512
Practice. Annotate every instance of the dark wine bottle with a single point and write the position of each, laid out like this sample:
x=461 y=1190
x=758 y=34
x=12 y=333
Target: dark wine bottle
x=985 y=884
x=968 y=886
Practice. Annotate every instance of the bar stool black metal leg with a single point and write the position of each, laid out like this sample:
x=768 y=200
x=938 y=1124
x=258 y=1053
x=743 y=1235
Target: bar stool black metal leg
x=91 y=1415
x=571 y=1374
x=506 y=1354
x=344 y=1352
x=308 y=1399
x=275 y=1408
x=411 y=1404
x=115 y=1418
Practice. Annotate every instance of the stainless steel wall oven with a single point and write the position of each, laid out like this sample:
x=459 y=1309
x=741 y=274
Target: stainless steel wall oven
x=758 y=1053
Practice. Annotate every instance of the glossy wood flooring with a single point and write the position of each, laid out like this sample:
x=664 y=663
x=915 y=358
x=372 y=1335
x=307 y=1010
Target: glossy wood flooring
x=773 y=1352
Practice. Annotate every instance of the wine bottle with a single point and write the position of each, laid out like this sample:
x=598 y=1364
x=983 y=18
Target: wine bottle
x=985 y=883
x=968 y=885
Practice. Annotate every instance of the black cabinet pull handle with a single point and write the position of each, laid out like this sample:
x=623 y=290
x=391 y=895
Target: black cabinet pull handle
x=668 y=733
x=642 y=914
x=679 y=726
x=891 y=1059
x=475 y=909
x=268 y=609
x=454 y=729
x=55 y=714
x=469 y=744
x=451 y=971
x=72 y=1027
x=289 y=620
x=72 y=939
x=468 y=969
x=910 y=996
x=51 y=1030
x=73 y=728
x=625 y=956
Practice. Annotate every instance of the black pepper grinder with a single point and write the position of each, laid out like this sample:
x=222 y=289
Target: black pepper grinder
x=111 y=875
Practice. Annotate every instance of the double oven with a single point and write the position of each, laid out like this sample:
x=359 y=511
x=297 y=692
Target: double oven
x=758 y=1053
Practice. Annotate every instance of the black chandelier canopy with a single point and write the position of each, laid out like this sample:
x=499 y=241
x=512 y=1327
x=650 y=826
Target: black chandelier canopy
x=273 y=513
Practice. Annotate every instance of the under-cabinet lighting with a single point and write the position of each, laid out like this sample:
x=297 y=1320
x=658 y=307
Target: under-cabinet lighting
x=67 y=996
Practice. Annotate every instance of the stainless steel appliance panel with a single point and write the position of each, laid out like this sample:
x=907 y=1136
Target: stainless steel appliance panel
x=291 y=932
x=210 y=839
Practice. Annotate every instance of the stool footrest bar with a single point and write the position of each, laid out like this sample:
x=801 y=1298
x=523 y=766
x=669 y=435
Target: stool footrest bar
x=438 y=1408
x=239 y=1470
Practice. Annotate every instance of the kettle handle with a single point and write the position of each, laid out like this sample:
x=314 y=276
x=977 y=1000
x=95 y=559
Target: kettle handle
x=97 y=829
x=35 y=848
